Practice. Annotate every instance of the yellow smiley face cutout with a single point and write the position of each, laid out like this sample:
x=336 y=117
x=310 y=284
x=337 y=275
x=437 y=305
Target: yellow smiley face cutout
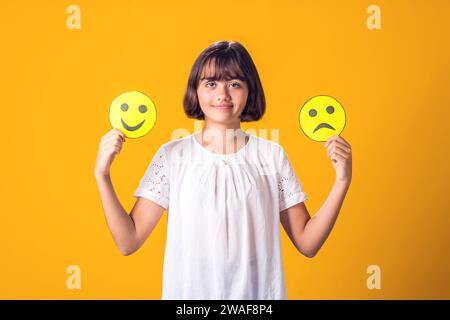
x=133 y=113
x=322 y=117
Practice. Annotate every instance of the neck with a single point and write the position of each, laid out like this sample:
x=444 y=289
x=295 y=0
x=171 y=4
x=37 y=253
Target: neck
x=222 y=138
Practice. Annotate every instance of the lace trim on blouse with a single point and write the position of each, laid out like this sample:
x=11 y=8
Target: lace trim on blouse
x=284 y=195
x=156 y=179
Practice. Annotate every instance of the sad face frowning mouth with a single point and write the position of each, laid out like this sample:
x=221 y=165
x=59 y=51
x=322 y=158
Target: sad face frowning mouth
x=323 y=125
x=322 y=117
x=313 y=113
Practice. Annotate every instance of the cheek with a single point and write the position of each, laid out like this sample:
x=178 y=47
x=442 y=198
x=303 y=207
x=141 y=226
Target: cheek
x=241 y=97
x=204 y=99
x=203 y=96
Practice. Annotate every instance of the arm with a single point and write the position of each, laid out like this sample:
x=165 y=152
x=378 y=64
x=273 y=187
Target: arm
x=119 y=222
x=306 y=233
x=129 y=231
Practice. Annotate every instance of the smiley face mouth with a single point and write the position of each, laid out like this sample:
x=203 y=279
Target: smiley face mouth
x=324 y=125
x=136 y=127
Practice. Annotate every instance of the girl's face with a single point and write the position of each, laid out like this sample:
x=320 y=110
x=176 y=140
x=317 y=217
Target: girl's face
x=221 y=101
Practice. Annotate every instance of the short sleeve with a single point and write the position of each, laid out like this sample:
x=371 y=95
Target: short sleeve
x=289 y=187
x=154 y=185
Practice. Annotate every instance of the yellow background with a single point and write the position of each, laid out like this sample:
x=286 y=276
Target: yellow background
x=57 y=85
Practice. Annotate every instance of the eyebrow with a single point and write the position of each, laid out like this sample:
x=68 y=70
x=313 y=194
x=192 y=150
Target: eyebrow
x=215 y=78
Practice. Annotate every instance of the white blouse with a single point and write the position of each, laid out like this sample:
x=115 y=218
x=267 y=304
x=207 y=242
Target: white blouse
x=223 y=228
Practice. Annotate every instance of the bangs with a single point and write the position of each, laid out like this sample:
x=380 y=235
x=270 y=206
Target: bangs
x=222 y=67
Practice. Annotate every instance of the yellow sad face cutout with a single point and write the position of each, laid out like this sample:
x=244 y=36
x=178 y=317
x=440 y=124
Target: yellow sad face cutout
x=322 y=117
x=133 y=113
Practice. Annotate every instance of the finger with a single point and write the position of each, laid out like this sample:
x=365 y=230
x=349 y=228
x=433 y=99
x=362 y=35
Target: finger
x=111 y=134
x=115 y=149
x=120 y=133
x=337 y=138
x=339 y=142
x=330 y=139
x=338 y=158
x=343 y=141
x=110 y=147
x=111 y=141
x=116 y=132
x=116 y=145
x=114 y=137
x=107 y=135
x=331 y=144
x=340 y=146
x=331 y=149
x=339 y=152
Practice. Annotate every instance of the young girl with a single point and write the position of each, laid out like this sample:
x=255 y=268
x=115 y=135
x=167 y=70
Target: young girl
x=225 y=191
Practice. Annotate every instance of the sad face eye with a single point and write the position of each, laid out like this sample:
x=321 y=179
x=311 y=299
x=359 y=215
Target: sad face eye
x=312 y=113
x=330 y=109
x=124 y=107
x=142 y=108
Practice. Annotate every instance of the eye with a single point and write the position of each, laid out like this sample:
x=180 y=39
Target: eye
x=142 y=108
x=209 y=82
x=236 y=83
x=124 y=107
x=330 y=109
x=312 y=113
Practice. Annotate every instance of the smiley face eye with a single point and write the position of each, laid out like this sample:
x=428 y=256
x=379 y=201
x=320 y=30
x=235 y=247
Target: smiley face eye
x=312 y=113
x=330 y=109
x=124 y=107
x=142 y=108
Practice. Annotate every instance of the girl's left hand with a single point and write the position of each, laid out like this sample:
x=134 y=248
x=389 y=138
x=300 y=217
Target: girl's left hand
x=340 y=153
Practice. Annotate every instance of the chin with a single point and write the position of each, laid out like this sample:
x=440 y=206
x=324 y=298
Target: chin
x=224 y=119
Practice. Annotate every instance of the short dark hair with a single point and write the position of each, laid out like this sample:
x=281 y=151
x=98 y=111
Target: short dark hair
x=231 y=61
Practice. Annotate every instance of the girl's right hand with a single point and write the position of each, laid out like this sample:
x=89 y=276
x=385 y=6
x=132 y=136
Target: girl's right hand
x=110 y=145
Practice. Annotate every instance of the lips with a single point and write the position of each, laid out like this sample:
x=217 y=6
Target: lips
x=324 y=125
x=223 y=106
x=136 y=127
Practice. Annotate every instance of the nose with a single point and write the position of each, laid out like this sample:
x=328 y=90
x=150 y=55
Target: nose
x=222 y=93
